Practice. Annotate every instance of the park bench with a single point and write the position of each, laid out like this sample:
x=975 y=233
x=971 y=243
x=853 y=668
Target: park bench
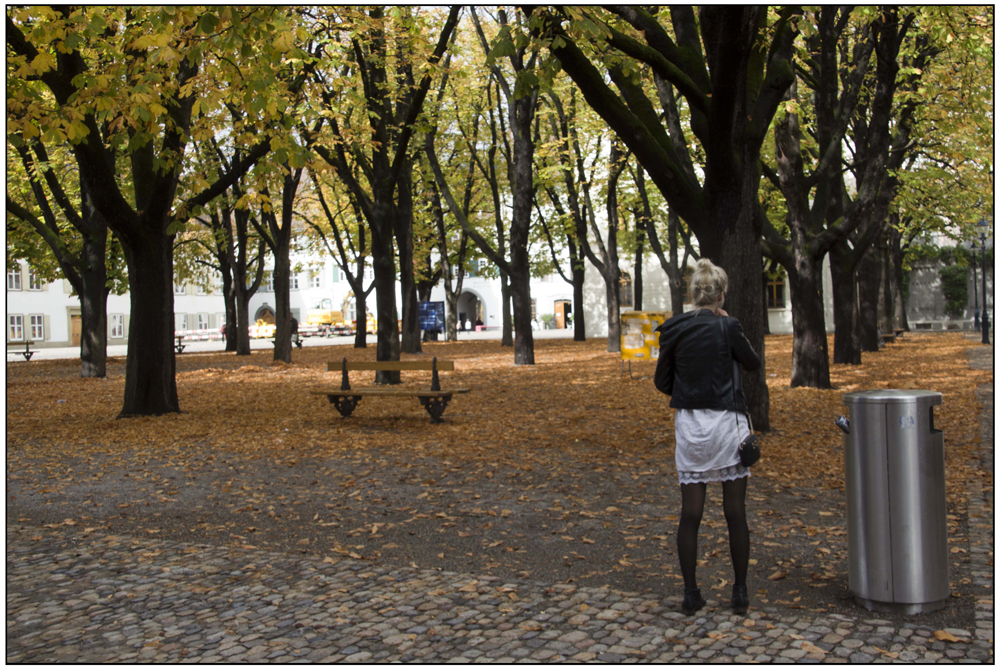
x=435 y=400
x=179 y=346
x=27 y=352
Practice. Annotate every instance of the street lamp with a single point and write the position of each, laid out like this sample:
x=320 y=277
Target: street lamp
x=975 y=289
x=983 y=226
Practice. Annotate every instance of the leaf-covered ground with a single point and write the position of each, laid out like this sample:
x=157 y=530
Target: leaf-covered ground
x=561 y=471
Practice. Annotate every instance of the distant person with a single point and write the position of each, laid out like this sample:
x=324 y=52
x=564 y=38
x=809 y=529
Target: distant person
x=468 y=324
x=698 y=351
x=479 y=322
x=295 y=333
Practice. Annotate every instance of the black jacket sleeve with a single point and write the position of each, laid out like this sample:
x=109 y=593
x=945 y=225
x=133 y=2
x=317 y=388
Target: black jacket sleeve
x=742 y=350
x=663 y=379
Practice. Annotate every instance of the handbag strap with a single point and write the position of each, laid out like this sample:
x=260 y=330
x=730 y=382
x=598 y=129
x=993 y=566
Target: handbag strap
x=736 y=382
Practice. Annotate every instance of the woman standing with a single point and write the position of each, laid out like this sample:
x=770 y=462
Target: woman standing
x=697 y=367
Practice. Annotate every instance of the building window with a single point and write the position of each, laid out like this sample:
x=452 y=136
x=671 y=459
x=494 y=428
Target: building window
x=776 y=293
x=37 y=322
x=14 y=278
x=117 y=322
x=293 y=283
x=180 y=322
x=625 y=290
x=202 y=321
x=268 y=282
x=314 y=280
x=34 y=282
x=532 y=308
x=178 y=288
x=15 y=326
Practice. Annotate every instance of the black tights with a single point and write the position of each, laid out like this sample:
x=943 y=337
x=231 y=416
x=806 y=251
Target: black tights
x=692 y=506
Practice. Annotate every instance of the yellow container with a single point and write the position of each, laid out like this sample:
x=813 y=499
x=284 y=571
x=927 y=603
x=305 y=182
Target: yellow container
x=639 y=338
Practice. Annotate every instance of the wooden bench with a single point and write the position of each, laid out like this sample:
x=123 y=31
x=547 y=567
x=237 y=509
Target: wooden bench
x=435 y=400
x=27 y=352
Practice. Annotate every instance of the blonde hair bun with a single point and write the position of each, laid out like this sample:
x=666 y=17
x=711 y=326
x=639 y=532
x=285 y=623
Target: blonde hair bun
x=707 y=283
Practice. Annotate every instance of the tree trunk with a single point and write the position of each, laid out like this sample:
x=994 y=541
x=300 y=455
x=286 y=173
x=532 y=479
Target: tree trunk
x=846 y=345
x=524 y=341
x=507 y=338
x=869 y=286
x=150 y=387
x=93 y=293
x=896 y=278
x=579 y=320
x=229 y=298
x=741 y=257
x=361 y=313
x=810 y=355
x=885 y=294
x=403 y=229
x=241 y=325
x=282 y=313
x=383 y=265
x=94 y=323
x=637 y=273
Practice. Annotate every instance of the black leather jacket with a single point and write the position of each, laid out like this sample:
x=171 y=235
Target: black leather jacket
x=697 y=364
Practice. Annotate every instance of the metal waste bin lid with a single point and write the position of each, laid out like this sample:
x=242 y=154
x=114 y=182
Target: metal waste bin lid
x=892 y=397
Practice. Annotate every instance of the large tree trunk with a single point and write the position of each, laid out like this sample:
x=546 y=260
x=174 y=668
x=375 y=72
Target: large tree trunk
x=524 y=339
x=150 y=387
x=869 y=287
x=810 y=355
x=282 y=312
x=94 y=323
x=403 y=228
x=383 y=265
x=93 y=293
x=740 y=254
x=846 y=345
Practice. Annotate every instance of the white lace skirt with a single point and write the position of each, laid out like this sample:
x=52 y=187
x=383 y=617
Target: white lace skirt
x=708 y=445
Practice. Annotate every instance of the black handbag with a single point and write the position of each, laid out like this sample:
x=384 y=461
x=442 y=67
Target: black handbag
x=749 y=447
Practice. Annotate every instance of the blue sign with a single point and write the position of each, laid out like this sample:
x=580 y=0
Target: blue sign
x=431 y=316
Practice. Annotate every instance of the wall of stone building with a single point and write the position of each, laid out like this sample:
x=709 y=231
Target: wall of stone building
x=925 y=306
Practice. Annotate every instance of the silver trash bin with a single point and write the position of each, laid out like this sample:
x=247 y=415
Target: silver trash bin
x=897 y=531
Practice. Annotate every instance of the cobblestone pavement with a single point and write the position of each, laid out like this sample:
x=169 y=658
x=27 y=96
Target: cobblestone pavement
x=75 y=595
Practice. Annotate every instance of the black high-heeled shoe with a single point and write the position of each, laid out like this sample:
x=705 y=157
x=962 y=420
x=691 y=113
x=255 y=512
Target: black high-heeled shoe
x=692 y=601
x=741 y=600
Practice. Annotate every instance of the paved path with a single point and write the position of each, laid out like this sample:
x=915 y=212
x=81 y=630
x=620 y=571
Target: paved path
x=75 y=595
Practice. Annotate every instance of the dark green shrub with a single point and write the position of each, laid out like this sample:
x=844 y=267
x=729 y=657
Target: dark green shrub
x=955 y=286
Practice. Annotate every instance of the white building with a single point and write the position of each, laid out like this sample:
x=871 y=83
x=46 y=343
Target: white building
x=48 y=314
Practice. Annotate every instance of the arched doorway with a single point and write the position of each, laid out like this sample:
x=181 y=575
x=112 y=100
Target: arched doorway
x=266 y=314
x=470 y=308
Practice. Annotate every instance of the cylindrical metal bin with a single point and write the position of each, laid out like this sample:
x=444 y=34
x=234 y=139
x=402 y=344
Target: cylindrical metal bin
x=897 y=531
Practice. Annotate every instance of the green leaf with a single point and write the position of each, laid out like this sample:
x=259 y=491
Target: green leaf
x=208 y=22
x=525 y=82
